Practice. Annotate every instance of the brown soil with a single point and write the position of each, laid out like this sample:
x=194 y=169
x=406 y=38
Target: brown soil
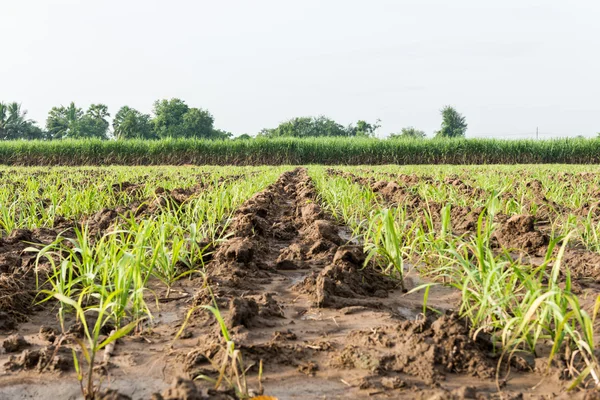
x=293 y=289
x=518 y=233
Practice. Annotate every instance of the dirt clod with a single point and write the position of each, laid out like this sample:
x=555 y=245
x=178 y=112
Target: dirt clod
x=519 y=233
x=239 y=249
x=418 y=349
x=242 y=311
x=50 y=358
x=48 y=333
x=181 y=389
x=14 y=343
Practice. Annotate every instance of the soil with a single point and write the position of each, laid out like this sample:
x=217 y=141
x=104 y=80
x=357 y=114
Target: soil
x=296 y=297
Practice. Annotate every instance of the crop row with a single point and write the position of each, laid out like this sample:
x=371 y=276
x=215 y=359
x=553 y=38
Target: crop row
x=42 y=197
x=286 y=151
x=561 y=202
x=523 y=303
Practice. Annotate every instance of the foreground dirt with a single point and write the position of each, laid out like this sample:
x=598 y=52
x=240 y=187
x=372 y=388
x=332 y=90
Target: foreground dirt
x=294 y=294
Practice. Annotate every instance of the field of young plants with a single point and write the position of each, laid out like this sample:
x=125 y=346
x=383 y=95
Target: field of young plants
x=430 y=282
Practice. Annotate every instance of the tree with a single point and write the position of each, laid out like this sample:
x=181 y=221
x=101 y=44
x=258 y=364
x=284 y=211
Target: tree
x=364 y=128
x=71 y=122
x=168 y=118
x=173 y=118
x=243 y=136
x=453 y=124
x=62 y=122
x=129 y=123
x=221 y=134
x=94 y=123
x=306 y=127
x=408 y=133
x=14 y=123
x=199 y=123
x=317 y=127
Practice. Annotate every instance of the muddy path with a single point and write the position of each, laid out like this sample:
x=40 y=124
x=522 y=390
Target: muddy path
x=297 y=298
x=291 y=287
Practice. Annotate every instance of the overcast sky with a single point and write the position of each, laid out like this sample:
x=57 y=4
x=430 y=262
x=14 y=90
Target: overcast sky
x=508 y=66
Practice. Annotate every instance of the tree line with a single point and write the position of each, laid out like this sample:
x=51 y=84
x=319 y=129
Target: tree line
x=173 y=118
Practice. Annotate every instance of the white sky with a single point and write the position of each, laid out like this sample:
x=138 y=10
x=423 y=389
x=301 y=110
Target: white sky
x=508 y=66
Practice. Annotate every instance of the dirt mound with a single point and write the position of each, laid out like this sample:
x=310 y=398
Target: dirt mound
x=535 y=185
x=416 y=348
x=589 y=208
x=394 y=194
x=101 y=221
x=582 y=264
x=128 y=188
x=519 y=233
x=249 y=312
x=345 y=282
x=180 y=389
x=14 y=343
x=464 y=188
x=464 y=219
x=185 y=389
x=323 y=230
x=17 y=277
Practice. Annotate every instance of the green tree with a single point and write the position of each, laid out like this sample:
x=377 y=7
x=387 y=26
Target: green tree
x=221 y=134
x=14 y=123
x=316 y=127
x=173 y=118
x=199 y=123
x=62 y=122
x=129 y=123
x=95 y=122
x=453 y=124
x=363 y=128
x=71 y=122
x=168 y=118
x=408 y=133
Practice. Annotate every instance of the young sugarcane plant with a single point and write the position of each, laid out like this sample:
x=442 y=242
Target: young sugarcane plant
x=169 y=251
x=386 y=241
x=92 y=336
x=232 y=358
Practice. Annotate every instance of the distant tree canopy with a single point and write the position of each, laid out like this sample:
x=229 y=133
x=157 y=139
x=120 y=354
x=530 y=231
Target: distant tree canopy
x=454 y=125
x=129 y=123
x=72 y=123
x=14 y=123
x=319 y=126
x=173 y=118
x=408 y=133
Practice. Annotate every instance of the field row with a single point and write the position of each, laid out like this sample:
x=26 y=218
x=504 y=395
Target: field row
x=296 y=151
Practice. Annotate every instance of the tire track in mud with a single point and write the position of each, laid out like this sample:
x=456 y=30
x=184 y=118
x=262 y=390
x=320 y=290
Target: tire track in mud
x=290 y=284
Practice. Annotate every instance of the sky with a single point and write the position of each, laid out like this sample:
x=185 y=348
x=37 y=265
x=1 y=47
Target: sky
x=508 y=66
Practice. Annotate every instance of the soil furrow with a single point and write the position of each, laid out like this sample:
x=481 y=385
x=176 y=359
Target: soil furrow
x=295 y=295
